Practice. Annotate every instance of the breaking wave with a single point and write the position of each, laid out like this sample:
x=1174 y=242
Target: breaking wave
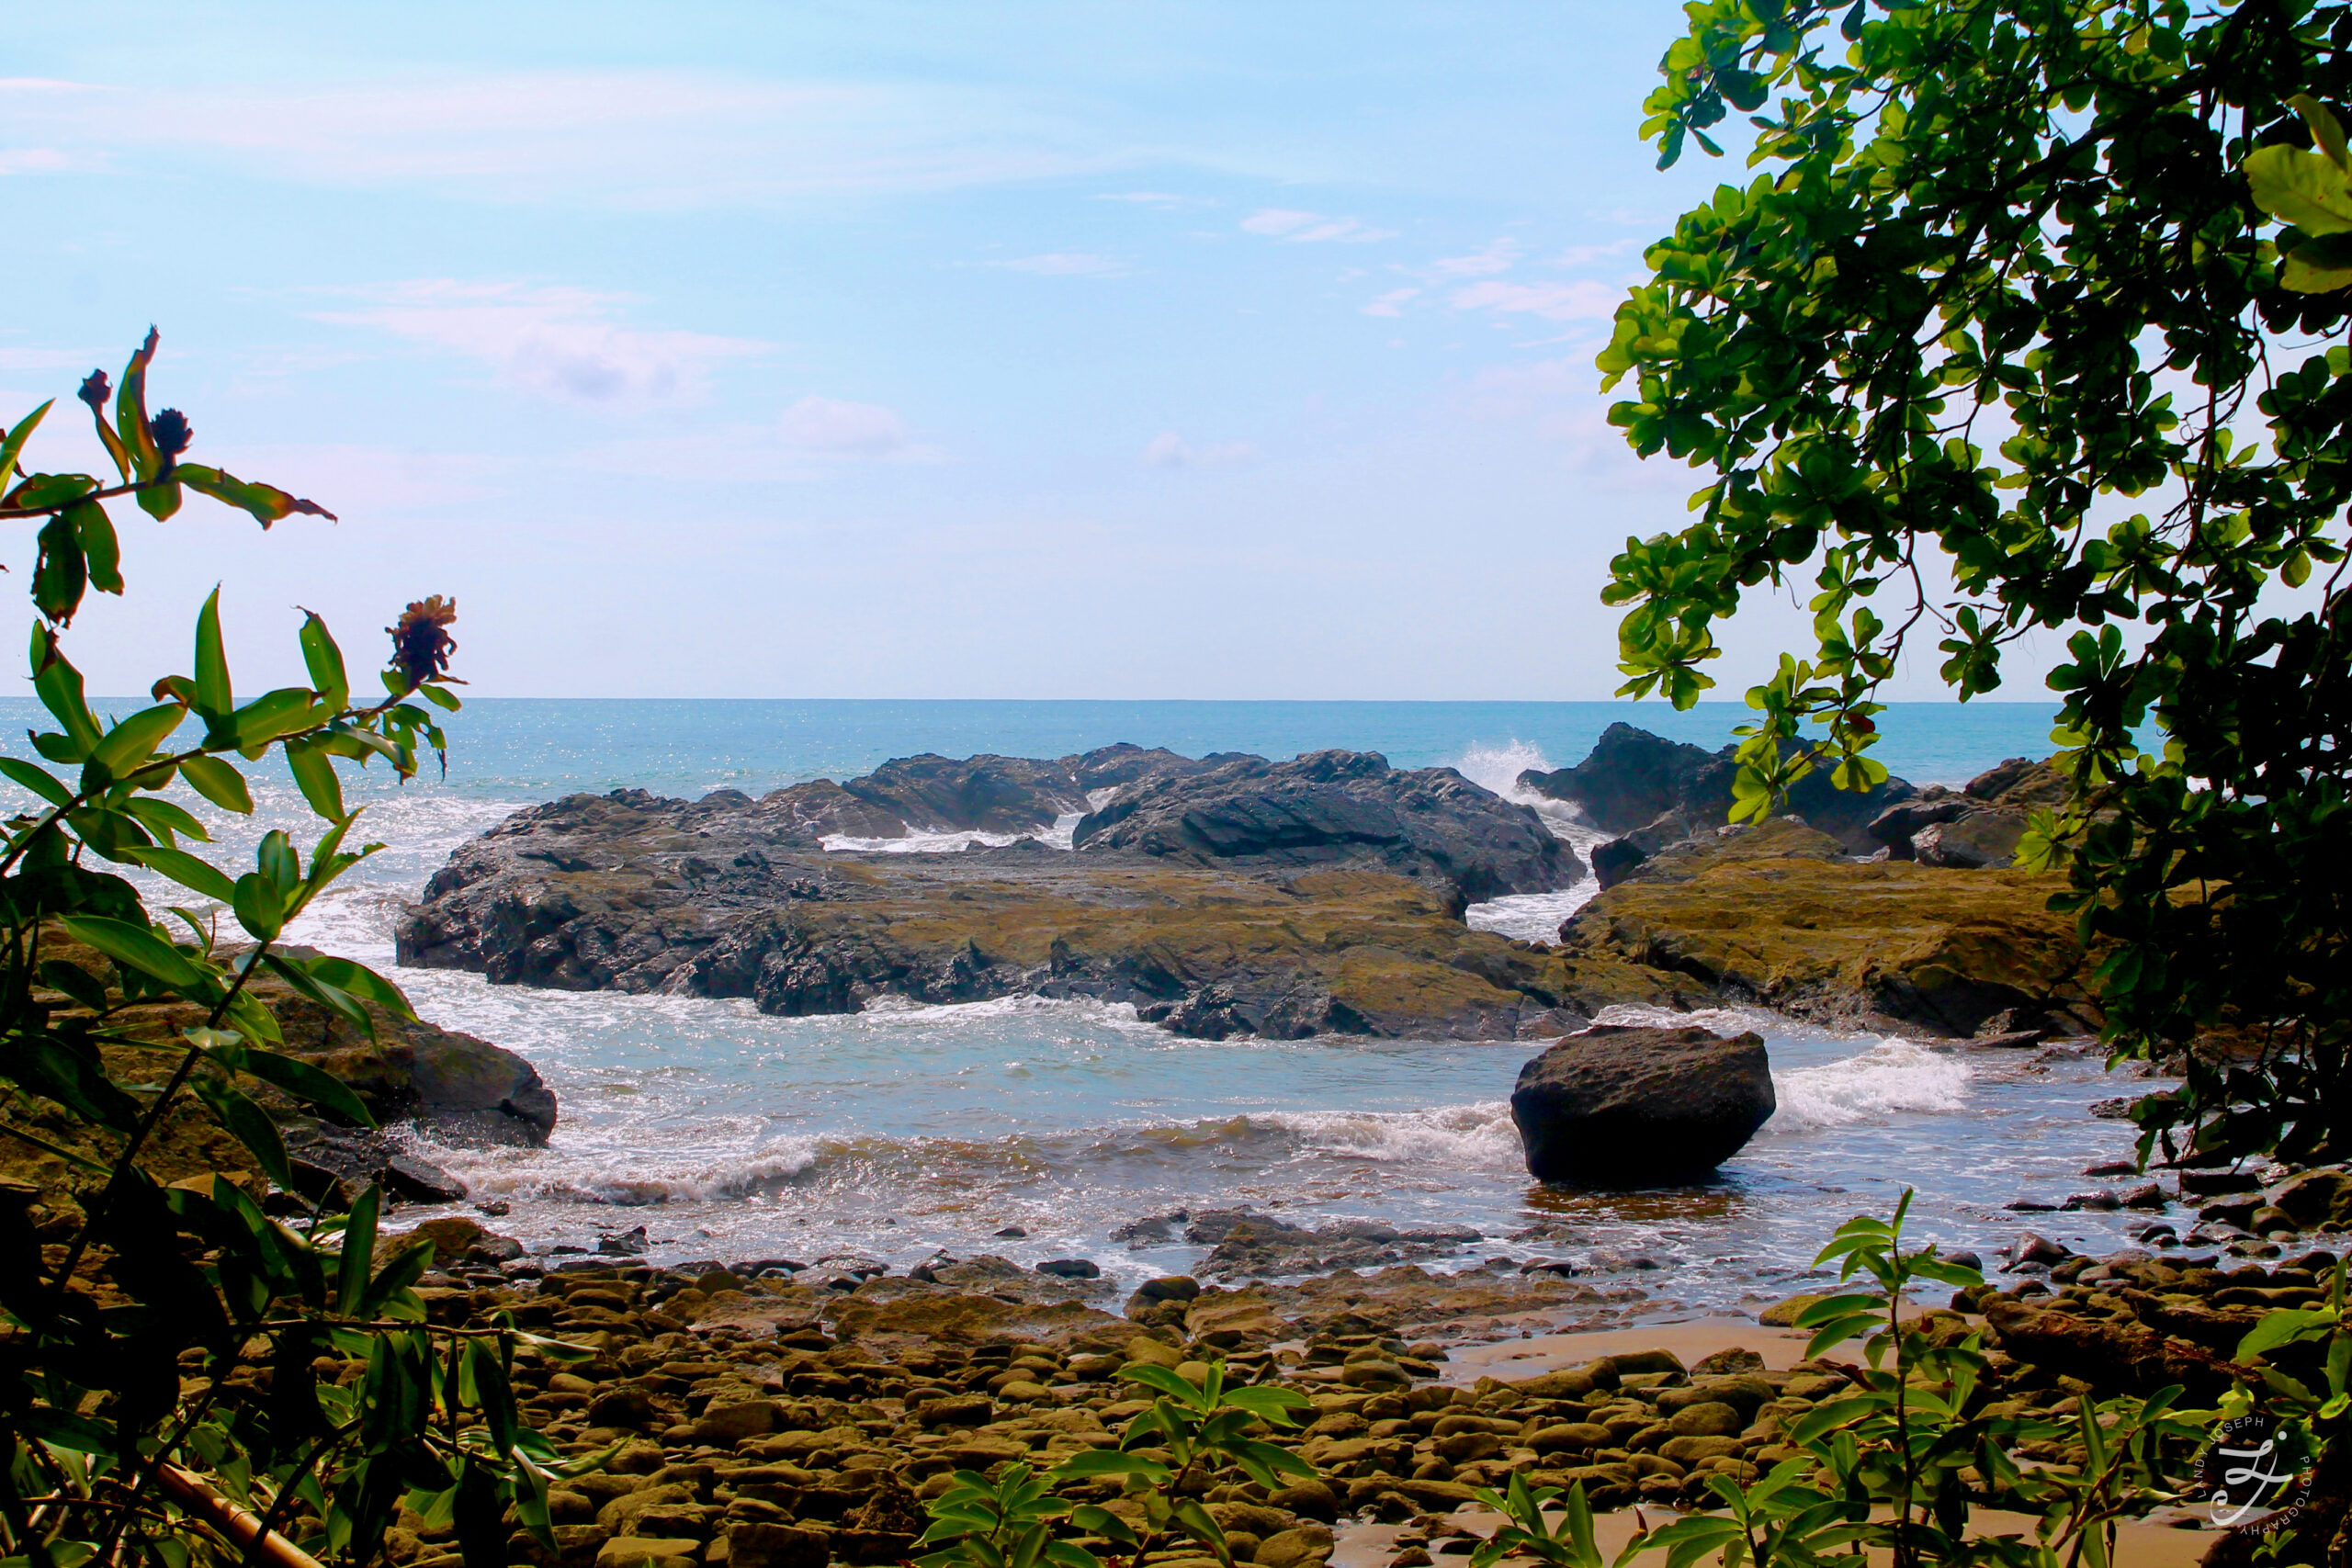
x=1893 y=1076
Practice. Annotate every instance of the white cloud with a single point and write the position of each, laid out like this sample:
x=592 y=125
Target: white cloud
x=559 y=342
x=1585 y=255
x=1391 y=303
x=639 y=139
x=37 y=161
x=1307 y=228
x=49 y=359
x=837 y=427
x=1067 y=264
x=1149 y=198
x=1499 y=256
x=1169 y=450
x=1582 y=300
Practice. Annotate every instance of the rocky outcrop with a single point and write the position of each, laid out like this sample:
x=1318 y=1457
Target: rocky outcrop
x=632 y=893
x=1633 y=778
x=988 y=794
x=1774 y=915
x=1632 y=1106
x=1975 y=827
x=1332 y=806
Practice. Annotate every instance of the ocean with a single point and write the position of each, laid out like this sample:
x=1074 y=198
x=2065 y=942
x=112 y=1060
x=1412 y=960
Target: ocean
x=904 y=1131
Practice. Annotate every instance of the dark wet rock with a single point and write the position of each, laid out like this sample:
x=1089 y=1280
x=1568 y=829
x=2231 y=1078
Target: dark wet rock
x=627 y=1244
x=1628 y=1107
x=1071 y=1268
x=1331 y=806
x=1632 y=778
x=419 y=1181
x=1616 y=860
x=2030 y=1247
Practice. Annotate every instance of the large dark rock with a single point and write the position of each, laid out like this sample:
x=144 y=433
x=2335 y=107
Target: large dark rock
x=1631 y=1107
x=1632 y=778
x=1976 y=827
x=992 y=795
x=1331 y=807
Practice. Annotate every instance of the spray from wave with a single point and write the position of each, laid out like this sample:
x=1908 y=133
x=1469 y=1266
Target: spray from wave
x=1893 y=1076
x=1530 y=917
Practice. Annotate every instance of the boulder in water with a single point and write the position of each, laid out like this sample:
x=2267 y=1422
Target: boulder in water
x=1623 y=1106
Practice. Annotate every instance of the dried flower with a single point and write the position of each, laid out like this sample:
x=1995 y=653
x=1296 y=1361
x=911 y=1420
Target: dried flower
x=170 y=429
x=95 y=390
x=421 y=642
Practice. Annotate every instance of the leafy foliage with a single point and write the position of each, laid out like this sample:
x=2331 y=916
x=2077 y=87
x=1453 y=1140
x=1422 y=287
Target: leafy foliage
x=169 y=1347
x=2003 y=330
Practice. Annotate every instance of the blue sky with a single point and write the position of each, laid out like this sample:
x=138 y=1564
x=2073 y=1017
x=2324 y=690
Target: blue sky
x=878 y=350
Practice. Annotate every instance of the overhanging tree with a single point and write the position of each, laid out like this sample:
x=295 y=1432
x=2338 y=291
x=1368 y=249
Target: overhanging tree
x=2000 y=336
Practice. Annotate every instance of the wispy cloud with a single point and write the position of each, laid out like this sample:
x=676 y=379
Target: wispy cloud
x=659 y=139
x=1067 y=264
x=1150 y=199
x=1169 y=450
x=1307 y=228
x=1391 y=303
x=1499 y=256
x=1581 y=300
x=562 y=342
x=837 y=427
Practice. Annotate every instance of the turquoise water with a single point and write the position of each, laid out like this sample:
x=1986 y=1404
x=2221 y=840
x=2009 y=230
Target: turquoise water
x=901 y=1131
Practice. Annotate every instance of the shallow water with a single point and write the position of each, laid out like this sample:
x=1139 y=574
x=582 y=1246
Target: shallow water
x=902 y=1131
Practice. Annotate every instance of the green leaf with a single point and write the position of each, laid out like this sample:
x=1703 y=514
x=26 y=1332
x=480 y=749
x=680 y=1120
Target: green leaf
x=95 y=529
x=1166 y=1382
x=40 y=781
x=276 y=858
x=197 y=875
x=2301 y=188
x=215 y=699
x=261 y=908
x=267 y=502
x=398 y=1274
x=58 y=686
x=1111 y=1462
x=358 y=1251
x=219 y=783
x=60 y=574
x=248 y=1123
x=325 y=662
x=132 y=741
x=440 y=697
x=314 y=774
x=2286 y=1325
x=12 y=443
x=130 y=412
x=282 y=712
x=2319 y=266
x=297 y=1077
x=358 y=980
x=135 y=946
x=165 y=816
x=76 y=982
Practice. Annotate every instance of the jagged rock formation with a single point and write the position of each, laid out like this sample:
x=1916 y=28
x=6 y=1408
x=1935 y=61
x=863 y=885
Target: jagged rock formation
x=1632 y=778
x=1974 y=826
x=634 y=892
x=1331 y=807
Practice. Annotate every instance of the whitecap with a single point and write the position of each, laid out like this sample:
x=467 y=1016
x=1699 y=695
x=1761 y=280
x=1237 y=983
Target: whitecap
x=1894 y=1076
